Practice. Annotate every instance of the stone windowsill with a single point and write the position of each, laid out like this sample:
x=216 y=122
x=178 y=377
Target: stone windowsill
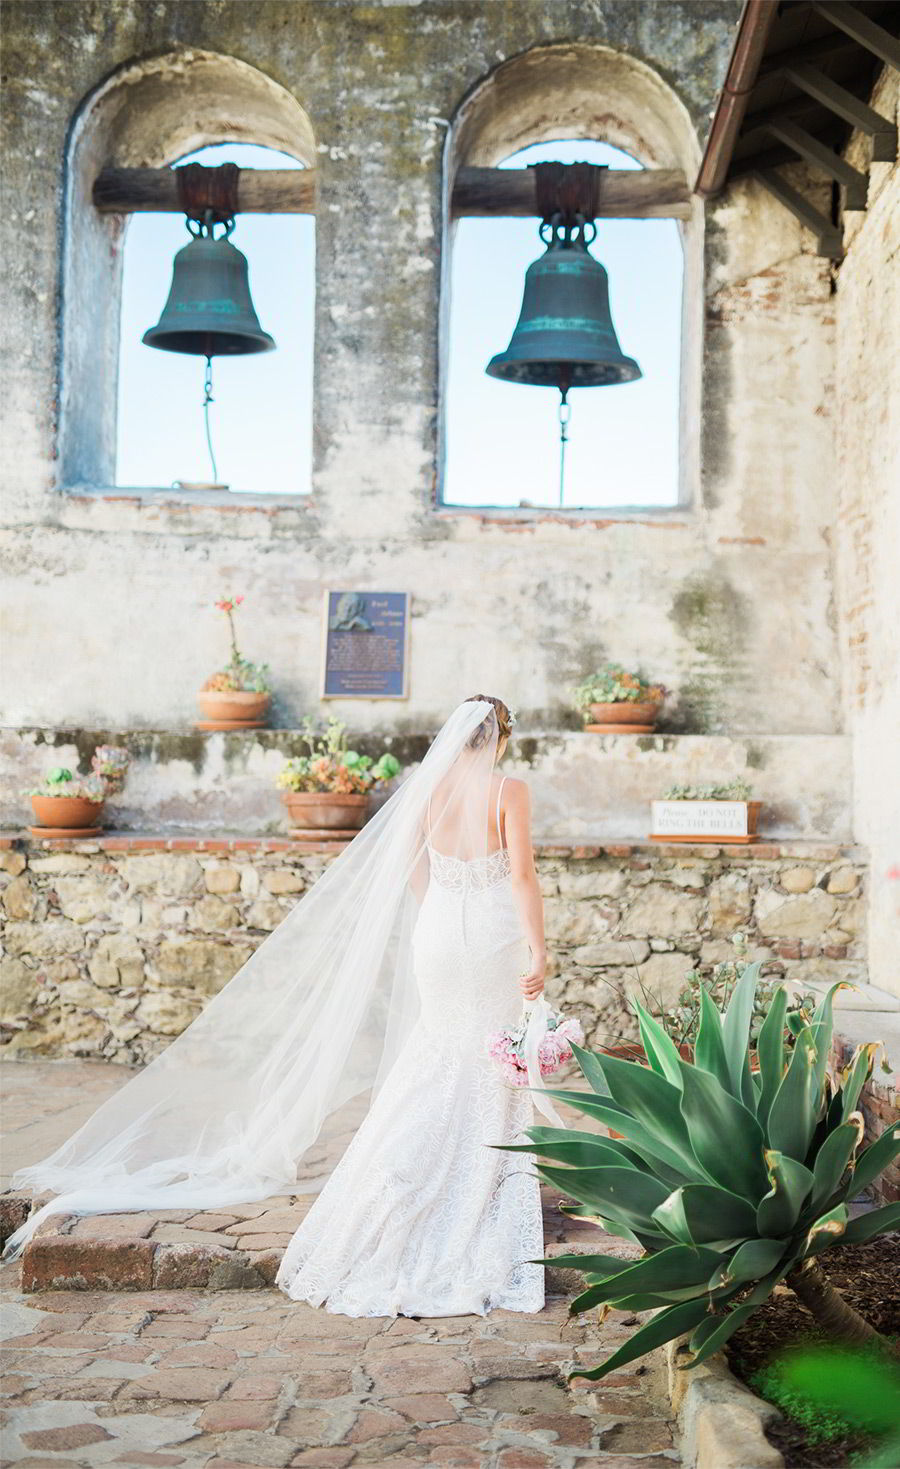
x=168 y=495
x=569 y=847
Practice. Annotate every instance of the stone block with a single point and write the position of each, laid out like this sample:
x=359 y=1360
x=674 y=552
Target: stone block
x=571 y=922
x=117 y=962
x=202 y=964
x=842 y=880
x=729 y=903
x=283 y=880
x=797 y=879
x=64 y=1262
x=660 y=912
x=165 y=1013
x=663 y=975
x=611 y=951
x=54 y=939
x=606 y=882
x=19 y=988
x=185 y=1266
x=265 y=913
x=213 y=914
x=222 y=877
x=163 y=872
x=803 y=917
x=20 y=897
x=12 y=862
x=59 y=862
x=83 y=898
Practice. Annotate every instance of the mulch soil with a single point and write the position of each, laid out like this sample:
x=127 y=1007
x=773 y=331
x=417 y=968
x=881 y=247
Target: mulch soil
x=868 y=1276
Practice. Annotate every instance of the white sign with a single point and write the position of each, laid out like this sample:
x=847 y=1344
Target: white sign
x=699 y=818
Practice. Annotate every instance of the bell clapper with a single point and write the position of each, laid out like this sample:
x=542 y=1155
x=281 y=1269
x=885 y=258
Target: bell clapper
x=565 y=413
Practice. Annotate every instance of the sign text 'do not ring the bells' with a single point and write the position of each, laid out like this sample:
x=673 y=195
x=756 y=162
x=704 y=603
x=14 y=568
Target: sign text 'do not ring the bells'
x=365 y=645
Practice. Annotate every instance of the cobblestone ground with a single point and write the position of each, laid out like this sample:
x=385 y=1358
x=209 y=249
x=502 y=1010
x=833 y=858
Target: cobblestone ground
x=228 y=1379
x=243 y=1377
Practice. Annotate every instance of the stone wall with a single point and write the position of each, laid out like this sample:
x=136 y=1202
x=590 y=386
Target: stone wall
x=113 y=946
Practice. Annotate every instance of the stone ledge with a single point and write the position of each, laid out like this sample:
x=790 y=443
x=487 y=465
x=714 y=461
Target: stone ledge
x=570 y=848
x=721 y=1423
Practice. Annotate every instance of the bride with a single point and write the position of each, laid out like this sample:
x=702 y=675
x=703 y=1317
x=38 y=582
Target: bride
x=380 y=989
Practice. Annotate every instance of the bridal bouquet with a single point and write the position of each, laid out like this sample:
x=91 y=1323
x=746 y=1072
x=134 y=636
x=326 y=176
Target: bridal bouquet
x=507 y=1047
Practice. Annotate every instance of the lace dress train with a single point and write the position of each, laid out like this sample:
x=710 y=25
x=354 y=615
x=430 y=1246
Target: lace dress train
x=423 y=1216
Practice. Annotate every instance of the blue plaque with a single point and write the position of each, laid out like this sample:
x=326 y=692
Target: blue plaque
x=366 y=643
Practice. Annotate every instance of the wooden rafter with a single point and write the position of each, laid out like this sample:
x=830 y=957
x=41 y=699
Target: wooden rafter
x=859 y=115
x=828 y=234
x=624 y=193
x=817 y=153
x=865 y=32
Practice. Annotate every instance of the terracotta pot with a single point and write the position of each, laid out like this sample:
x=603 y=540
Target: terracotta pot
x=625 y=713
x=70 y=813
x=323 y=811
x=233 y=710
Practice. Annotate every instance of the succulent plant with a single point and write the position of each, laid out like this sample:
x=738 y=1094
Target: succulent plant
x=61 y=782
x=613 y=684
x=731 y=1180
x=331 y=767
x=737 y=789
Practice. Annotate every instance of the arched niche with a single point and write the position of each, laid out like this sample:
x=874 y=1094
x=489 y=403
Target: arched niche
x=146 y=114
x=589 y=91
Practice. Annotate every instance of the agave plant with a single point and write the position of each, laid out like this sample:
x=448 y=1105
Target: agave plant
x=730 y=1179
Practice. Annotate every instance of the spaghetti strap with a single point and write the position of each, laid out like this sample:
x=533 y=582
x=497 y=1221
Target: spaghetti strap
x=499 y=795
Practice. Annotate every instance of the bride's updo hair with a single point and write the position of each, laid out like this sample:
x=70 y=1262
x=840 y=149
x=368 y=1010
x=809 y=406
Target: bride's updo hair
x=483 y=732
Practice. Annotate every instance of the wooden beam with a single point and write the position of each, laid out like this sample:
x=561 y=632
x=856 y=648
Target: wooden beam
x=822 y=49
x=820 y=155
x=155 y=191
x=632 y=193
x=866 y=32
x=827 y=234
x=652 y=193
x=837 y=99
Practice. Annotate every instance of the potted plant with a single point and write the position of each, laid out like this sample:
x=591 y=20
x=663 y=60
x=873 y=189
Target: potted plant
x=614 y=701
x=327 y=791
x=238 y=696
x=111 y=762
x=66 y=805
x=706 y=813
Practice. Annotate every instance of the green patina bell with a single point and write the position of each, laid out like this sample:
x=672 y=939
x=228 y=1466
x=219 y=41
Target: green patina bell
x=564 y=337
x=209 y=312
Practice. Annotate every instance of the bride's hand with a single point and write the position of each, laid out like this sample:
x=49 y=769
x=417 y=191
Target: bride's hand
x=532 y=982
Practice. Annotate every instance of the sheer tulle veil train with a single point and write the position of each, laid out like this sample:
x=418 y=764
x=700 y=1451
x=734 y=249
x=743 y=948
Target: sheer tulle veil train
x=232 y=1109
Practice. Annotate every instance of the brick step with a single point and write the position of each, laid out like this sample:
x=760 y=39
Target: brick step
x=237 y=1250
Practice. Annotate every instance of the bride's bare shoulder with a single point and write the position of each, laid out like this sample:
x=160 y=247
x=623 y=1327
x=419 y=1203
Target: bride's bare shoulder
x=515 y=791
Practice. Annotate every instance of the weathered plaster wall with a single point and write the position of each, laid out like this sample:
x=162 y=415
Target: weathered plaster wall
x=868 y=528
x=728 y=600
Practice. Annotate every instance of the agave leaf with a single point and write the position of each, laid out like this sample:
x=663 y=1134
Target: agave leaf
x=709 y=1051
x=617 y=1193
x=677 y=1268
x=580 y=1152
x=652 y=1101
x=770 y=1052
x=754 y=1259
x=663 y=1327
x=822 y=1026
x=779 y=1211
x=796 y=1022
x=855 y=1076
x=866 y=1226
x=700 y=1213
x=832 y=1160
x=826 y=1231
x=726 y=1138
x=792 y=1116
x=643 y=1140
x=591 y=1066
x=878 y=1156
x=736 y=1035
x=707 y=1339
x=599 y=1265
x=661 y=1050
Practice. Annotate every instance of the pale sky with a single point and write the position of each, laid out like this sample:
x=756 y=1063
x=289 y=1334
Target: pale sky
x=502 y=438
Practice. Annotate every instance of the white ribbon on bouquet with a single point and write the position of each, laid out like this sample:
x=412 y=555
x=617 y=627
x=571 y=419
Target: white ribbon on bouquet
x=537 y=1014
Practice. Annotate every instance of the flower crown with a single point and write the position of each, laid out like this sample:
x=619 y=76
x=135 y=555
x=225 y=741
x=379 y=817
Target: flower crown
x=511 y=717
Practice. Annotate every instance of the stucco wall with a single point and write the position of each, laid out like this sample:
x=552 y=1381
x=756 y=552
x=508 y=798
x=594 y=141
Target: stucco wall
x=868 y=528
x=727 y=600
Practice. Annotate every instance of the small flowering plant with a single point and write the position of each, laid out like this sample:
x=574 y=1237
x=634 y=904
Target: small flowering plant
x=110 y=762
x=507 y=1047
x=613 y=684
x=239 y=676
x=61 y=782
x=732 y=790
x=330 y=767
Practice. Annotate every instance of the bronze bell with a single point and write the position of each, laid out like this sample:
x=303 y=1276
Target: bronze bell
x=209 y=312
x=565 y=337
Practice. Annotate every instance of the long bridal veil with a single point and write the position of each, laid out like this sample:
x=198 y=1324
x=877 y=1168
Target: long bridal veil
x=238 y=1108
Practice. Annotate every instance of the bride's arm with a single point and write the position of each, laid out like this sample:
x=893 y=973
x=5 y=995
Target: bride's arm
x=517 y=821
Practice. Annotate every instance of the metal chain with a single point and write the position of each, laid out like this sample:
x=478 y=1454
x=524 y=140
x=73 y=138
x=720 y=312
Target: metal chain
x=207 y=399
x=565 y=413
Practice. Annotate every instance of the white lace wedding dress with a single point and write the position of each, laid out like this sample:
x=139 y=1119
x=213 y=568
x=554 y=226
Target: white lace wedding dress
x=422 y=1216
